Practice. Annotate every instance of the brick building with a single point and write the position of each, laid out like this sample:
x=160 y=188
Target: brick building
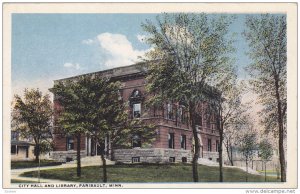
x=174 y=139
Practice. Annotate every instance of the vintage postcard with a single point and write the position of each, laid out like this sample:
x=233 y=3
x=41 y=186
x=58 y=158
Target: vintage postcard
x=150 y=95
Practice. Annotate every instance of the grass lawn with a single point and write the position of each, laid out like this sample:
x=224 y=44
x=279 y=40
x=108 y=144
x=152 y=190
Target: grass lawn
x=31 y=164
x=149 y=173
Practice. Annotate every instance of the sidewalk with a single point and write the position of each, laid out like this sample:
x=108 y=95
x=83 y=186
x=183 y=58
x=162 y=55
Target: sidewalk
x=87 y=161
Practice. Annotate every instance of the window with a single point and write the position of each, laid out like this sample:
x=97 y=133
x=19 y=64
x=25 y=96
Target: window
x=209 y=145
x=70 y=143
x=179 y=114
x=184 y=160
x=171 y=140
x=208 y=123
x=183 y=141
x=135 y=159
x=170 y=111
x=198 y=120
x=14 y=135
x=172 y=159
x=13 y=149
x=217 y=146
x=136 y=141
x=137 y=110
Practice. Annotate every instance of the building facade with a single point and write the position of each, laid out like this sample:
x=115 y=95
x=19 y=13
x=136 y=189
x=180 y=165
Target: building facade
x=174 y=139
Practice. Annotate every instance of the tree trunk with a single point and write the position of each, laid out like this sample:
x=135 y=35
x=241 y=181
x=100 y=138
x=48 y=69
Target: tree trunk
x=112 y=153
x=229 y=152
x=197 y=143
x=265 y=171
x=281 y=132
x=221 y=152
x=246 y=170
x=37 y=152
x=104 y=167
x=231 y=157
x=78 y=155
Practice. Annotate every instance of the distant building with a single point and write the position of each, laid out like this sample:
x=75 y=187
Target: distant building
x=21 y=149
x=174 y=139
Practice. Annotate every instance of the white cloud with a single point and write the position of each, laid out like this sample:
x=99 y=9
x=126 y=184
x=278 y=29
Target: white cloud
x=88 y=41
x=118 y=50
x=141 y=38
x=72 y=65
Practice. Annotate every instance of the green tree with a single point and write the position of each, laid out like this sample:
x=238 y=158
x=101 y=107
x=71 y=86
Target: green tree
x=102 y=113
x=228 y=110
x=32 y=118
x=248 y=146
x=266 y=36
x=265 y=153
x=188 y=49
x=71 y=111
x=233 y=131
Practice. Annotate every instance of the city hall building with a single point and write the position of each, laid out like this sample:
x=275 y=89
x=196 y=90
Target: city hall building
x=174 y=138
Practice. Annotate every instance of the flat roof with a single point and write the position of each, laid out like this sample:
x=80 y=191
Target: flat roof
x=115 y=72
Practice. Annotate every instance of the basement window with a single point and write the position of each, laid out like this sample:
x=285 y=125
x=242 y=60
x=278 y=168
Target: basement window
x=172 y=159
x=135 y=159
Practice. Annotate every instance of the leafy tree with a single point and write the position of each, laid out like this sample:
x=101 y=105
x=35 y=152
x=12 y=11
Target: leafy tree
x=248 y=146
x=232 y=133
x=71 y=112
x=265 y=153
x=32 y=118
x=266 y=36
x=228 y=110
x=188 y=49
x=101 y=112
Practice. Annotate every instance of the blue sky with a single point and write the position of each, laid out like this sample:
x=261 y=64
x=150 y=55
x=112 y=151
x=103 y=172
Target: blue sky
x=46 y=47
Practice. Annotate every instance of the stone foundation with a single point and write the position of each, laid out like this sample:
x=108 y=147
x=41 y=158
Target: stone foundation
x=214 y=156
x=153 y=155
x=66 y=156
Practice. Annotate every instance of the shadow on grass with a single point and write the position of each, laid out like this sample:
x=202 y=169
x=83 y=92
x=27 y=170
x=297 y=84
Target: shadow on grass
x=149 y=173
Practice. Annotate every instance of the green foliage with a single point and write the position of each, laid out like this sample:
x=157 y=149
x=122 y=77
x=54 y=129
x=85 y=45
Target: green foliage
x=248 y=145
x=188 y=51
x=265 y=150
x=93 y=105
x=32 y=116
x=266 y=36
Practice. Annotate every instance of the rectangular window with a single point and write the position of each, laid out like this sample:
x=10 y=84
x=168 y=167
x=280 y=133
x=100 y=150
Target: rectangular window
x=171 y=140
x=172 y=159
x=70 y=143
x=13 y=149
x=136 y=141
x=179 y=114
x=170 y=111
x=137 y=110
x=183 y=141
x=208 y=123
x=209 y=145
x=217 y=146
x=135 y=159
x=14 y=135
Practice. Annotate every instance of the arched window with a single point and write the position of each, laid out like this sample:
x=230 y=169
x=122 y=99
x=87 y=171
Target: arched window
x=136 y=103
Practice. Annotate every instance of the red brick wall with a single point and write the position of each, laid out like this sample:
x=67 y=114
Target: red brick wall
x=60 y=142
x=165 y=126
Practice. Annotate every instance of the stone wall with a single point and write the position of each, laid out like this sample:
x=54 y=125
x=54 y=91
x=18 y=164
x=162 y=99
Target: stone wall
x=214 y=156
x=65 y=156
x=152 y=155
